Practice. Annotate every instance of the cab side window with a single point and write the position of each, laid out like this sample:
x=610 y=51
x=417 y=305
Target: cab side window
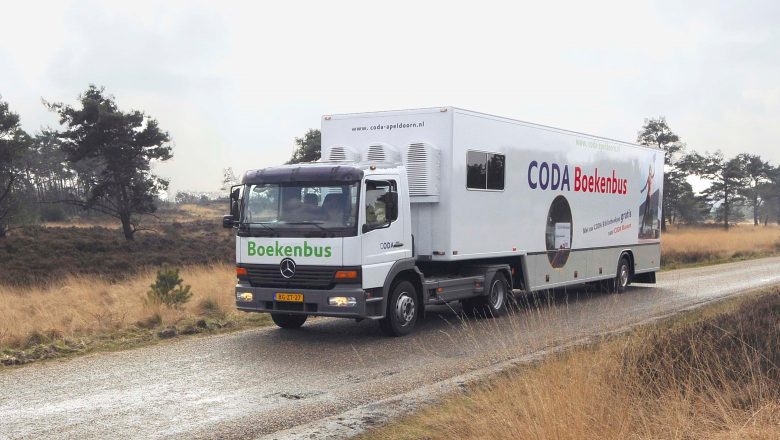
x=377 y=198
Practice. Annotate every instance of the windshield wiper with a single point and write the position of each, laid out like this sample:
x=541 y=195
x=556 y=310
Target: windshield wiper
x=273 y=231
x=317 y=224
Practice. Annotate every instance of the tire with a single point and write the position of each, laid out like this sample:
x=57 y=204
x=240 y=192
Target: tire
x=284 y=320
x=494 y=303
x=402 y=310
x=623 y=275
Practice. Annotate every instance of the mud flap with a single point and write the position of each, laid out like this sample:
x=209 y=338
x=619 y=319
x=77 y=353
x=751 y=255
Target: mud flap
x=646 y=278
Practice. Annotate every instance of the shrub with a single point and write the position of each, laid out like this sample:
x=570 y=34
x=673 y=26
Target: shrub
x=210 y=307
x=53 y=213
x=151 y=322
x=168 y=289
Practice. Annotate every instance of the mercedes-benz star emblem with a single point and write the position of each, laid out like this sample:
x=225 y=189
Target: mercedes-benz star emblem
x=287 y=268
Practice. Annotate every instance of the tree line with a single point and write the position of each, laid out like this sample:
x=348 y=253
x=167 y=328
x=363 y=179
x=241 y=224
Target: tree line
x=745 y=182
x=98 y=161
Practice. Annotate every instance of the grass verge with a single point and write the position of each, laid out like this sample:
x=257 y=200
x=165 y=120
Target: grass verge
x=713 y=373
x=82 y=314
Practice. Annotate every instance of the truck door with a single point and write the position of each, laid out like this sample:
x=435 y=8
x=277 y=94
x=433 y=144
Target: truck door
x=383 y=231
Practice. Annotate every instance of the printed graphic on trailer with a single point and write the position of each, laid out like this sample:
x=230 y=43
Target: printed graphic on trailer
x=611 y=225
x=559 y=232
x=650 y=209
x=628 y=205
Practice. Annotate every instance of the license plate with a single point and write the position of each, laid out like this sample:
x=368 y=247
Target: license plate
x=289 y=297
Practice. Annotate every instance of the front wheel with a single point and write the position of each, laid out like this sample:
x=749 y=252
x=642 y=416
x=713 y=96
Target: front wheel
x=402 y=310
x=284 y=320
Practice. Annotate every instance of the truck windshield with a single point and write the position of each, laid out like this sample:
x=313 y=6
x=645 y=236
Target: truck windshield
x=301 y=209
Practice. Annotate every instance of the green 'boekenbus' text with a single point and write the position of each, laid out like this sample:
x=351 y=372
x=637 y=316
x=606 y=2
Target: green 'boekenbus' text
x=277 y=250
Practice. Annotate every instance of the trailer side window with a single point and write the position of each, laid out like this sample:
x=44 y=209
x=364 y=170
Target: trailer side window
x=485 y=170
x=495 y=171
x=476 y=172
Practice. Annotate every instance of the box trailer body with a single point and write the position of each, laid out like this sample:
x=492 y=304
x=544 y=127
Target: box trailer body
x=475 y=198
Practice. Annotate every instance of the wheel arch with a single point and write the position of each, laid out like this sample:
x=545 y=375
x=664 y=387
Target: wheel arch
x=489 y=271
x=628 y=253
x=405 y=269
x=507 y=271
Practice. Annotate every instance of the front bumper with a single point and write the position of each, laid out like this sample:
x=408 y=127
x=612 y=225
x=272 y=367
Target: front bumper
x=315 y=302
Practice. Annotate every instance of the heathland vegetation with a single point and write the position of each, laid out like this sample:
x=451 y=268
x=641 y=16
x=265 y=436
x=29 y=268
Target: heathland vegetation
x=89 y=288
x=38 y=255
x=710 y=374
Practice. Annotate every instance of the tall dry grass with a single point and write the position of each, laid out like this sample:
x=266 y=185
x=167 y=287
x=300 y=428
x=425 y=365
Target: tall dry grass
x=87 y=304
x=681 y=246
x=203 y=212
x=714 y=378
x=187 y=212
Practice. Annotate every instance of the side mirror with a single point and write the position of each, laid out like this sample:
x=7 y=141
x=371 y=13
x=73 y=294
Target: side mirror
x=391 y=206
x=228 y=221
x=235 y=202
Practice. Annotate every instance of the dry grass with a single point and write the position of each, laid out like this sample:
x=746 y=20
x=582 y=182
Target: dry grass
x=685 y=246
x=714 y=378
x=209 y=211
x=82 y=305
x=186 y=212
x=84 y=223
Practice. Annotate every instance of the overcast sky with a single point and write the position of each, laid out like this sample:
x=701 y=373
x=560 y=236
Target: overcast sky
x=235 y=82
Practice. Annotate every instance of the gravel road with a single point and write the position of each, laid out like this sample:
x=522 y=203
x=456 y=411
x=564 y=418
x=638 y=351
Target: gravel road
x=331 y=378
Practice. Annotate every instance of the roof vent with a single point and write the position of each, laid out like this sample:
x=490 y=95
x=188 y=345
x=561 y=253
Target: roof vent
x=422 y=164
x=381 y=152
x=340 y=153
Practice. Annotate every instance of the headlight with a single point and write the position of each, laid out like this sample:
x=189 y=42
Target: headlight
x=342 y=301
x=244 y=296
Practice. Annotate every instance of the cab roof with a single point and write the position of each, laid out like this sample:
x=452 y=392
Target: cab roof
x=312 y=172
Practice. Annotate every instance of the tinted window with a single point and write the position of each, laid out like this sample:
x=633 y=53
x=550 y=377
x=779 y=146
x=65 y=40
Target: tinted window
x=476 y=170
x=495 y=171
x=485 y=170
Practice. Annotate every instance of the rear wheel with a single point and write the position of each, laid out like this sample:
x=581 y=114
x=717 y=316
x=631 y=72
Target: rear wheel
x=494 y=303
x=623 y=277
x=402 y=310
x=288 y=321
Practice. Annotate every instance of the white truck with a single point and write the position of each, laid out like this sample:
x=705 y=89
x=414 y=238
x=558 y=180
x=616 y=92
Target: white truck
x=412 y=208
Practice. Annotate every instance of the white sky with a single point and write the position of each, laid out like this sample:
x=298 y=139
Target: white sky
x=235 y=82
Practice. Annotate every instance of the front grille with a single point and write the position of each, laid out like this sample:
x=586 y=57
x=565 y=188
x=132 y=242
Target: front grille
x=306 y=277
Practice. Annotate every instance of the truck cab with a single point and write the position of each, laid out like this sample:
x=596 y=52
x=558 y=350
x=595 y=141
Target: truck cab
x=322 y=239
